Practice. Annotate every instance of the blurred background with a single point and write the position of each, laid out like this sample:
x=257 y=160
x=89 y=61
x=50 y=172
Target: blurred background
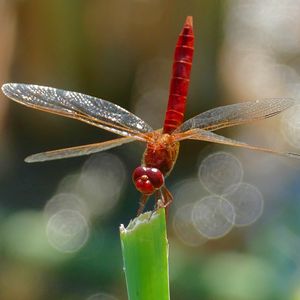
x=59 y=220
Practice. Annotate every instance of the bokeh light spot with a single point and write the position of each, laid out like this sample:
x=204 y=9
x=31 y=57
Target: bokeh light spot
x=184 y=228
x=220 y=172
x=65 y=201
x=187 y=191
x=247 y=202
x=100 y=182
x=213 y=216
x=67 y=230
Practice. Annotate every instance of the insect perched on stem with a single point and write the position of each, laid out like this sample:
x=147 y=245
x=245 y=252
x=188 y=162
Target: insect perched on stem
x=162 y=146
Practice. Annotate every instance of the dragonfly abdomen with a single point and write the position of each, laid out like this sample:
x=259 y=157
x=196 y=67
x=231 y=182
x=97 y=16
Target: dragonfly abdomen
x=182 y=65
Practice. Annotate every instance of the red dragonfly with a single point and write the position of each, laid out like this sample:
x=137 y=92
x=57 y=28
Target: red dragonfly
x=162 y=146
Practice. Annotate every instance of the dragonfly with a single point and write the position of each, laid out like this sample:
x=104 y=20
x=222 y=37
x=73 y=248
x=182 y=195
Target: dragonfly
x=162 y=145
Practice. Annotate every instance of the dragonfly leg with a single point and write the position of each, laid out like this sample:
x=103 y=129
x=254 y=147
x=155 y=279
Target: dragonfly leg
x=158 y=202
x=163 y=198
x=143 y=202
x=167 y=197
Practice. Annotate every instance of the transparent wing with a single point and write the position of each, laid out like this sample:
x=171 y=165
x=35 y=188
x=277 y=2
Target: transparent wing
x=78 y=151
x=208 y=136
x=236 y=114
x=88 y=109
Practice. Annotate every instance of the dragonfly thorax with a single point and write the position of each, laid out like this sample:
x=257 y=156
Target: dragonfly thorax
x=147 y=180
x=161 y=153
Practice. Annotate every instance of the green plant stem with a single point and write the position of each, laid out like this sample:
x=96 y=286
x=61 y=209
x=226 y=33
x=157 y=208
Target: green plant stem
x=145 y=255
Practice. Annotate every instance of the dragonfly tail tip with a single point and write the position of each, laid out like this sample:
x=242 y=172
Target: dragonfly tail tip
x=189 y=21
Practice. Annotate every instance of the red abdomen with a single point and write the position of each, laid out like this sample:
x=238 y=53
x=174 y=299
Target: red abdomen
x=182 y=65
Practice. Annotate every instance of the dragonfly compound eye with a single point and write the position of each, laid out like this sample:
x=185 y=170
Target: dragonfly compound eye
x=147 y=180
x=156 y=177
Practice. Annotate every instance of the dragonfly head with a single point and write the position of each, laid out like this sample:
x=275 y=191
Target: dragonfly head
x=147 y=180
